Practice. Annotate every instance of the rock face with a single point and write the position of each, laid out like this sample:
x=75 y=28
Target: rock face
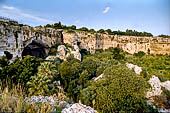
x=156 y=86
x=79 y=108
x=130 y=44
x=14 y=38
x=51 y=58
x=76 y=53
x=61 y=50
x=136 y=68
x=166 y=85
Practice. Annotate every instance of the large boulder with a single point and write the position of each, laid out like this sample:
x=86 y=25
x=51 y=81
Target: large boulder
x=76 y=55
x=79 y=108
x=61 y=50
x=136 y=68
x=166 y=85
x=76 y=48
x=156 y=86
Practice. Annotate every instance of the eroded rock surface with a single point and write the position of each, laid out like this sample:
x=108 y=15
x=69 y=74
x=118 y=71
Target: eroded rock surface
x=156 y=86
x=79 y=108
x=136 y=68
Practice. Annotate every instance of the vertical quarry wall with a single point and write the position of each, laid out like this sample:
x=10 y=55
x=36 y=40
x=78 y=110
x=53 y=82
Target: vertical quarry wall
x=130 y=44
x=15 y=38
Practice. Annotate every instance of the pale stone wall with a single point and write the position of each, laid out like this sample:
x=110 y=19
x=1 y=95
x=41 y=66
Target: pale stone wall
x=130 y=44
x=15 y=38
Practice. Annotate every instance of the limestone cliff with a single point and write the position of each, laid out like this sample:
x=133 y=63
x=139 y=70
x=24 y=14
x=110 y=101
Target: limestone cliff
x=14 y=38
x=130 y=44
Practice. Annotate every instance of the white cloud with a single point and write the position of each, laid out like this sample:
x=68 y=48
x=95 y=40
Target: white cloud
x=19 y=15
x=8 y=7
x=107 y=9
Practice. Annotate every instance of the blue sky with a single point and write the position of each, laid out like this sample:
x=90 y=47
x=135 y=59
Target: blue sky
x=141 y=15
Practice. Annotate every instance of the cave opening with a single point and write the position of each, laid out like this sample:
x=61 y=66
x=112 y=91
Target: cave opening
x=37 y=48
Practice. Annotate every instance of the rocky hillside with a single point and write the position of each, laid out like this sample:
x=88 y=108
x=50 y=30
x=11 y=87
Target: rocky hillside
x=15 y=37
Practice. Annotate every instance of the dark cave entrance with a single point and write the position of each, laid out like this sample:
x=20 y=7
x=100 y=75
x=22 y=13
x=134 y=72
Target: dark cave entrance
x=37 y=48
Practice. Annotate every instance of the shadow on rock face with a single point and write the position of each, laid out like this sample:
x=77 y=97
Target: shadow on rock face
x=37 y=48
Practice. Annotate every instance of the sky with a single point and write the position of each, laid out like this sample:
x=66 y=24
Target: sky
x=142 y=15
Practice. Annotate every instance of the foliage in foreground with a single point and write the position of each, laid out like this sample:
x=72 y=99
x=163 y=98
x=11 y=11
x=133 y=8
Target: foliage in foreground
x=11 y=98
x=40 y=83
x=120 y=90
x=20 y=71
x=115 y=92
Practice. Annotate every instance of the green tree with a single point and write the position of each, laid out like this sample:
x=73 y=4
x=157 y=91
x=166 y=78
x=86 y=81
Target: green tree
x=118 y=54
x=109 y=31
x=92 y=31
x=100 y=31
x=3 y=62
x=91 y=66
x=73 y=27
x=21 y=70
x=58 y=25
x=139 y=54
x=40 y=84
x=120 y=90
x=83 y=29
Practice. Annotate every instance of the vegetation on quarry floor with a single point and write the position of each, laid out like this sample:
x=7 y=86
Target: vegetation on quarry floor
x=120 y=89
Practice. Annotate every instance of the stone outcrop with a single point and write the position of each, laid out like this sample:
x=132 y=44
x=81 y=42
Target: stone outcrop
x=156 y=86
x=63 y=52
x=79 y=108
x=136 y=68
x=76 y=52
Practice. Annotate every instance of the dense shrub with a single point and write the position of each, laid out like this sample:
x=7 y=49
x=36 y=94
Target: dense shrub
x=91 y=66
x=118 y=54
x=21 y=70
x=40 y=84
x=139 y=54
x=121 y=90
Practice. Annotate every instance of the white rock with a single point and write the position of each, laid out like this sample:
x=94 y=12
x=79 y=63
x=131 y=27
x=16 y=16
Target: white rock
x=136 y=68
x=51 y=58
x=97 y=78
x=166 y=85
x=156 y=87
x=130 y=66
x=76 y=55
x=79 y=108
x=62 y=51
x=76 y=48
